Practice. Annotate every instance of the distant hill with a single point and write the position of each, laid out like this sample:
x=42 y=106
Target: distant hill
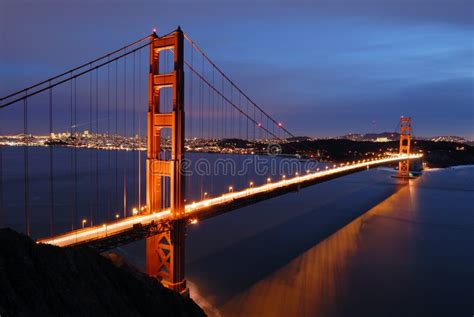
x=44 y=280
x=384 y=136
x=394 y=136
x=299 y=139
x=436 y=154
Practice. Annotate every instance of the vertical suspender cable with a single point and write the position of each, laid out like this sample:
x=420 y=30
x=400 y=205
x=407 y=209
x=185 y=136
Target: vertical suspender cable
x=190 y=118
x=91 y=206
x=25 y=161
x=125 y=135
x=247 y=135
x=201 y=116
x=51 y=164
x=116 y=140
x=75 y=157
x=76 y=187
x=139 y=134
x=109 y=165
x=232 y=135
x=209 y=115
x=224 y=113
x=71 y=150
x=134 y=149
x=213 y=136
x=97 y=205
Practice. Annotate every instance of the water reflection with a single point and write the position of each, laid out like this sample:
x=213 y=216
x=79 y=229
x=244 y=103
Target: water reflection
x=407 y=256
x=311 y=284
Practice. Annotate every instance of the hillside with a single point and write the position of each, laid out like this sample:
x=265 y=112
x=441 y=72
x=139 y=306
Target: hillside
x=435 y=154
x=49 y=281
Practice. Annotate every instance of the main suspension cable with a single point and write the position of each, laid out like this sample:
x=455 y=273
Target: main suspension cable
x=233 y=84
x=76 y=68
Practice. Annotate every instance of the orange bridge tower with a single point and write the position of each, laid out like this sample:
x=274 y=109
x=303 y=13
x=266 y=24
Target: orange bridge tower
x=165 y=251
x=405 y=142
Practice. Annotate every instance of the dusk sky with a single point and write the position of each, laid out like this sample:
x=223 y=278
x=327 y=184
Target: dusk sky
x=324 y=67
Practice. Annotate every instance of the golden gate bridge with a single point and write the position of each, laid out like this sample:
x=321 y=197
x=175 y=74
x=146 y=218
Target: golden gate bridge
x=193 y=107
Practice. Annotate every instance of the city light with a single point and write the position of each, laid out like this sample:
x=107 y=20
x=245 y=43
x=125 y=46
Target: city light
x=84 y=221
x=251 y=184
x=135 y=211
x=231 y=189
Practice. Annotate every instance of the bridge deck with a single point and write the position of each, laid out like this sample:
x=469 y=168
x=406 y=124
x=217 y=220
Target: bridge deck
x=126 y=230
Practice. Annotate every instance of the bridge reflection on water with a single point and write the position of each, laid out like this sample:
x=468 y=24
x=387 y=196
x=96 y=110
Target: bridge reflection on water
x=407 y=256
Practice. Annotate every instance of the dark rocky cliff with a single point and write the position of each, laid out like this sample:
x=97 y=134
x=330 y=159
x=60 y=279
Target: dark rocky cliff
x=43 y=280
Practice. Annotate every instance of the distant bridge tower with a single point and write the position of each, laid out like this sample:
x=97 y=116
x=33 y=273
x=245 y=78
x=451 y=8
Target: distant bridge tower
x=165 y=251
x=405 y=140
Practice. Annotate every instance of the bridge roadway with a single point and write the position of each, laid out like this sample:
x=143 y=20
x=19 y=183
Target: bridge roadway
x=122 y=231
